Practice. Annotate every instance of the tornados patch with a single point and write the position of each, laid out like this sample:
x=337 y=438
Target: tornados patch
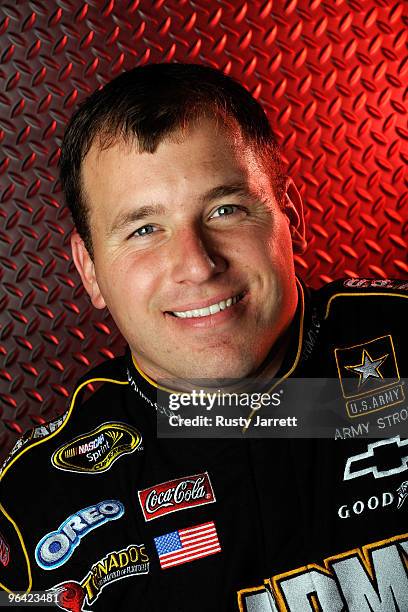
x=55 y=548
x=128 y=562
x=96 y=451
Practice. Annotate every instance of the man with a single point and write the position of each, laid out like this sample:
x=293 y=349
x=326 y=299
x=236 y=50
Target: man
x=185 y=229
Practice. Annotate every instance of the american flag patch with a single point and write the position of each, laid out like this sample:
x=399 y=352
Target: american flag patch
x=186 y=545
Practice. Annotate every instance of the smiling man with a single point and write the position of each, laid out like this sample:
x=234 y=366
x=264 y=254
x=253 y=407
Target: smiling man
x=186 y=227
x=196 y=240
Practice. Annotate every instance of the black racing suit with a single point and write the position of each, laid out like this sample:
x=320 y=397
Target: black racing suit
x=91 y=500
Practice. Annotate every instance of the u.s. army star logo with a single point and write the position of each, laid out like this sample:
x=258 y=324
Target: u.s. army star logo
x=368 y=367
x=369 y=377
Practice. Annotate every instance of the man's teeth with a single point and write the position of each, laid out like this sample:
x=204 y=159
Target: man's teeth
x=204 y=312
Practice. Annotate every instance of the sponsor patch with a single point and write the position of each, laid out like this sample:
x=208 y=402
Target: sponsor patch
x=372 y=461
x=372 y=577
x=55 y=548
x=402 y=493
x=369 y=376
x=41 y=431
x=4 y=551
x=72 y=596
x=310 y=336
x=175 y=495
x=185 y=545
x=360 y=507
x=378 y=283
x=96 y=451
x=384 y=500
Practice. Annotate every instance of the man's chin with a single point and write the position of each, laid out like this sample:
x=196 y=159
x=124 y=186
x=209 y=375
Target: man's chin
x=213 y=374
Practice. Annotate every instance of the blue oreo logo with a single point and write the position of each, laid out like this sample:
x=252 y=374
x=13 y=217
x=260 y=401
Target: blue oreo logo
x=55 y=548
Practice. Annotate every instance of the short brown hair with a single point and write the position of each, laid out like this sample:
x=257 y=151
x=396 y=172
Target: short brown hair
x=149 y=103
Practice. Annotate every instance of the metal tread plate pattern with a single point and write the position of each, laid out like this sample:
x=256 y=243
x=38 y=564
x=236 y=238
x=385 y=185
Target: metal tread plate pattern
x=332 y=78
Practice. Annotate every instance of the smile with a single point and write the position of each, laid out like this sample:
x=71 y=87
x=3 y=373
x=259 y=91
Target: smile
x=209 y=310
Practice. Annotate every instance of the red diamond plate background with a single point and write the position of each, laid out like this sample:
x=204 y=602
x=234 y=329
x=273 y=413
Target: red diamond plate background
x=331 y=78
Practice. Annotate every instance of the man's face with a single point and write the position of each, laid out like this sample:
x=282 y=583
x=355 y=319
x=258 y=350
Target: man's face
x=192 y=255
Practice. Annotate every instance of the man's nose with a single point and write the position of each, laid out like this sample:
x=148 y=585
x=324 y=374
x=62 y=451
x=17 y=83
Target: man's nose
x=194 y=258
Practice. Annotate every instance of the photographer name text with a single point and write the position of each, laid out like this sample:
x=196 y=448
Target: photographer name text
x=220 y=421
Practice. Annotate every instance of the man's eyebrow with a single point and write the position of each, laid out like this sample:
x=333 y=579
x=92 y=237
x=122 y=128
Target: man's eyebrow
x=222 y=191
x=132 y=216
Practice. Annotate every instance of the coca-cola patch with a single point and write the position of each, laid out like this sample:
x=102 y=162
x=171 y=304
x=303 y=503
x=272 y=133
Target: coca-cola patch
x=174 y=495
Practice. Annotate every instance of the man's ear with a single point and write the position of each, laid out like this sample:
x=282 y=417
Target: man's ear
x=86 y=269
x=293 y=209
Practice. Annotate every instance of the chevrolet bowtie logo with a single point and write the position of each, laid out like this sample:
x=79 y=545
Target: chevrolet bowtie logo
x=367 y=368
x=367 y=463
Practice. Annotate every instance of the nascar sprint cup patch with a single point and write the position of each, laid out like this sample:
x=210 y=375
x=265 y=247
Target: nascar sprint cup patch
x=96 y=451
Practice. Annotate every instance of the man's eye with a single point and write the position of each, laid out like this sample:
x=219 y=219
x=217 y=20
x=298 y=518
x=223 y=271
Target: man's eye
x=143 y=231
x=226 y=210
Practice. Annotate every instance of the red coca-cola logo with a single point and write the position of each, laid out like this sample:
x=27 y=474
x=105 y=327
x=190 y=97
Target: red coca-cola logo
x=174 y=495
